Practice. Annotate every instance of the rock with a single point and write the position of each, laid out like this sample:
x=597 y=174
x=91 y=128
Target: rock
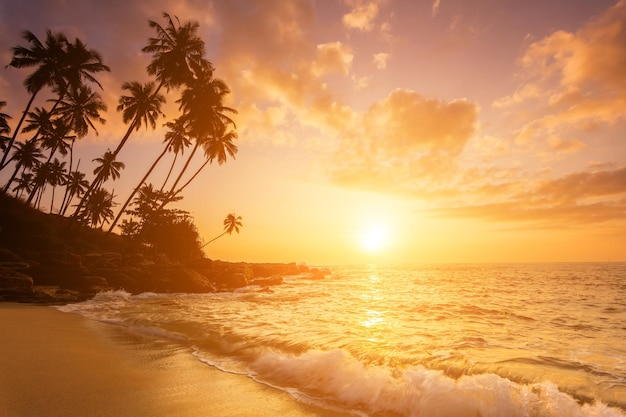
x=266 y=282
x=14 y=285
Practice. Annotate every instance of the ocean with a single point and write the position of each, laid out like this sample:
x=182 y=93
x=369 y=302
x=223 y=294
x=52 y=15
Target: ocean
x=426 y=340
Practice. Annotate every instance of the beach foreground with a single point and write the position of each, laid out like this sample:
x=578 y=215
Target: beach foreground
x=60 y=364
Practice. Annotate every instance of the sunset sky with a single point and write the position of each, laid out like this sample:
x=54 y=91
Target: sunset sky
x=387 y=131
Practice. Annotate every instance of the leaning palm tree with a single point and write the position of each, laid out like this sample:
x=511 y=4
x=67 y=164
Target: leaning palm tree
x=56 y=177
x=141 y=107
x=61 y=64
x=232 y=222
x=108 y=168
x=24 y=184
x=81 y=109
x=177 y=140
x=99 y=207
x=174 y=137
x=26 y=156
x=203 y=113
x=5 y=129
x=75 y=185
x=217 y=148
x=177 y=51
x=48 y=58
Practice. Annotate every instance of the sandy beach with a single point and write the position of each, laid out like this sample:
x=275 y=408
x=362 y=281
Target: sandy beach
x=60 y=364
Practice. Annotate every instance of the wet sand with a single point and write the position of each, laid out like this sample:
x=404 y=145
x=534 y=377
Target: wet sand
x=61 y=364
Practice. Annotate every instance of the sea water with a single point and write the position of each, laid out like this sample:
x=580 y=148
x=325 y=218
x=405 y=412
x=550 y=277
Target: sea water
x=427 y=340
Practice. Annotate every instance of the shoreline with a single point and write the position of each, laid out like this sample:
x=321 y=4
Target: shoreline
x=61 y=364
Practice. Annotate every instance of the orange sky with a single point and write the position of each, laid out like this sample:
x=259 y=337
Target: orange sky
x=445 y=130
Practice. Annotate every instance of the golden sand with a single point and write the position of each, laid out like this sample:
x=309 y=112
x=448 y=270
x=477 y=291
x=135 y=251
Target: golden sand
x=60 y=364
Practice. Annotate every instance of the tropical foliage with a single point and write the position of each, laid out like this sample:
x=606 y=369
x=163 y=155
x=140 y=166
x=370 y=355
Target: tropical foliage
x=38 y=152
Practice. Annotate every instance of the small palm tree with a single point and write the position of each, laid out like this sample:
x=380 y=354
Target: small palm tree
x=27 y=156
x=232 y=223
x=5 y=129
x=76 y=185
x=99 y=207
x=24 y=184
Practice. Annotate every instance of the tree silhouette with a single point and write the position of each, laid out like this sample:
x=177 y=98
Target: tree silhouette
x=232 y=223
x=26 y=155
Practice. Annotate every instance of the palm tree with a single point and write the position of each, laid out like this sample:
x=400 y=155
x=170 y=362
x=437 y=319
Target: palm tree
x=76 y=185
x=49 y=61
x=232 y=222
x=177 y=51
x=203 y=113
x=142 y=106
x=55 y=177
x=99 y=207
x=62 y=65
x=24 y=184
x=108 y=168
x=175 y=137
x=5 y=129
x=177 y=140
x=217 y=147
x=43 y=174
x=27 y=156
x=82 y=108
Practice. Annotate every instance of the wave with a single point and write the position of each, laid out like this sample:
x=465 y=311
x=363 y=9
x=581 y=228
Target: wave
x=334 y=378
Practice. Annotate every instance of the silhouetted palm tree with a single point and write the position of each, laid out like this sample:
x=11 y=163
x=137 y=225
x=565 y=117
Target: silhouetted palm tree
x=177 y=51
x=24 y=184
x=60 y=64
x=173 y=136
x=5 y=129
x=141 y=107
x=76 y=185
x=216 y=147
x=81 y=110
x=232 y=223
x=99 y=207
x=26 y=156
x=177 y=140
x=49 y=61
x=56 y=176
x=108 y=168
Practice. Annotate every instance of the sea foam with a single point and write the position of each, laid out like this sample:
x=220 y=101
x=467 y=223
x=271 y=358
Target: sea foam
x=335 y=378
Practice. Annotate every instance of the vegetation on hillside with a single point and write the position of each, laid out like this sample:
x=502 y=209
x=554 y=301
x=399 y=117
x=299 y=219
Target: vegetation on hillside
x=38 y=153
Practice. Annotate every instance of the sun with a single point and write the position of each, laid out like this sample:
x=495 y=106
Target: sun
x=374 y=237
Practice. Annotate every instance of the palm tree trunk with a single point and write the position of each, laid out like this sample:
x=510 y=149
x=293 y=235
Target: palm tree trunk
x=182 y=171
x=215 y=238
x=143 y=180
x=17 y=129
x=169 y=172
x=193 y=177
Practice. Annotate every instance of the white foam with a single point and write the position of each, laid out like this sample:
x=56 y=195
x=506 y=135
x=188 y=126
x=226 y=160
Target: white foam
x=336 y=377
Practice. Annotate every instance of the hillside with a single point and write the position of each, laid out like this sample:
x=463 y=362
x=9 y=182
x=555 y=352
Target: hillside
x=51 y=259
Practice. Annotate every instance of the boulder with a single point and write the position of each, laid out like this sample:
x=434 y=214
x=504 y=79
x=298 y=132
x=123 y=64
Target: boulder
x=14 y=284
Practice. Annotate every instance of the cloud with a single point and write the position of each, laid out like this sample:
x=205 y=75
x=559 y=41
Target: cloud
x=402 y=141
x=380 y=60
x=361 y=17
x=333 y=57
x=574 y=78
x=435 y=7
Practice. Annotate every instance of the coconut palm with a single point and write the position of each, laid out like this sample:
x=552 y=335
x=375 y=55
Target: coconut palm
x=217 y=147
x=26 y=156
x=177 y=51
x=141 y=107
x=48 y=58
x=60 y=64
x=174 y=138
x=232 y=223
x=81 y=109
x=203 y=113
x=76 y=185
x=24 y=184
x=56 y=176
x=108 y=167
x=5 y=129
x=177 y=140
x=99 y=207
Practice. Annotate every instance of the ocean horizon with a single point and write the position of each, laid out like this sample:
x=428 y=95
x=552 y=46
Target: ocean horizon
x=514 y=339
